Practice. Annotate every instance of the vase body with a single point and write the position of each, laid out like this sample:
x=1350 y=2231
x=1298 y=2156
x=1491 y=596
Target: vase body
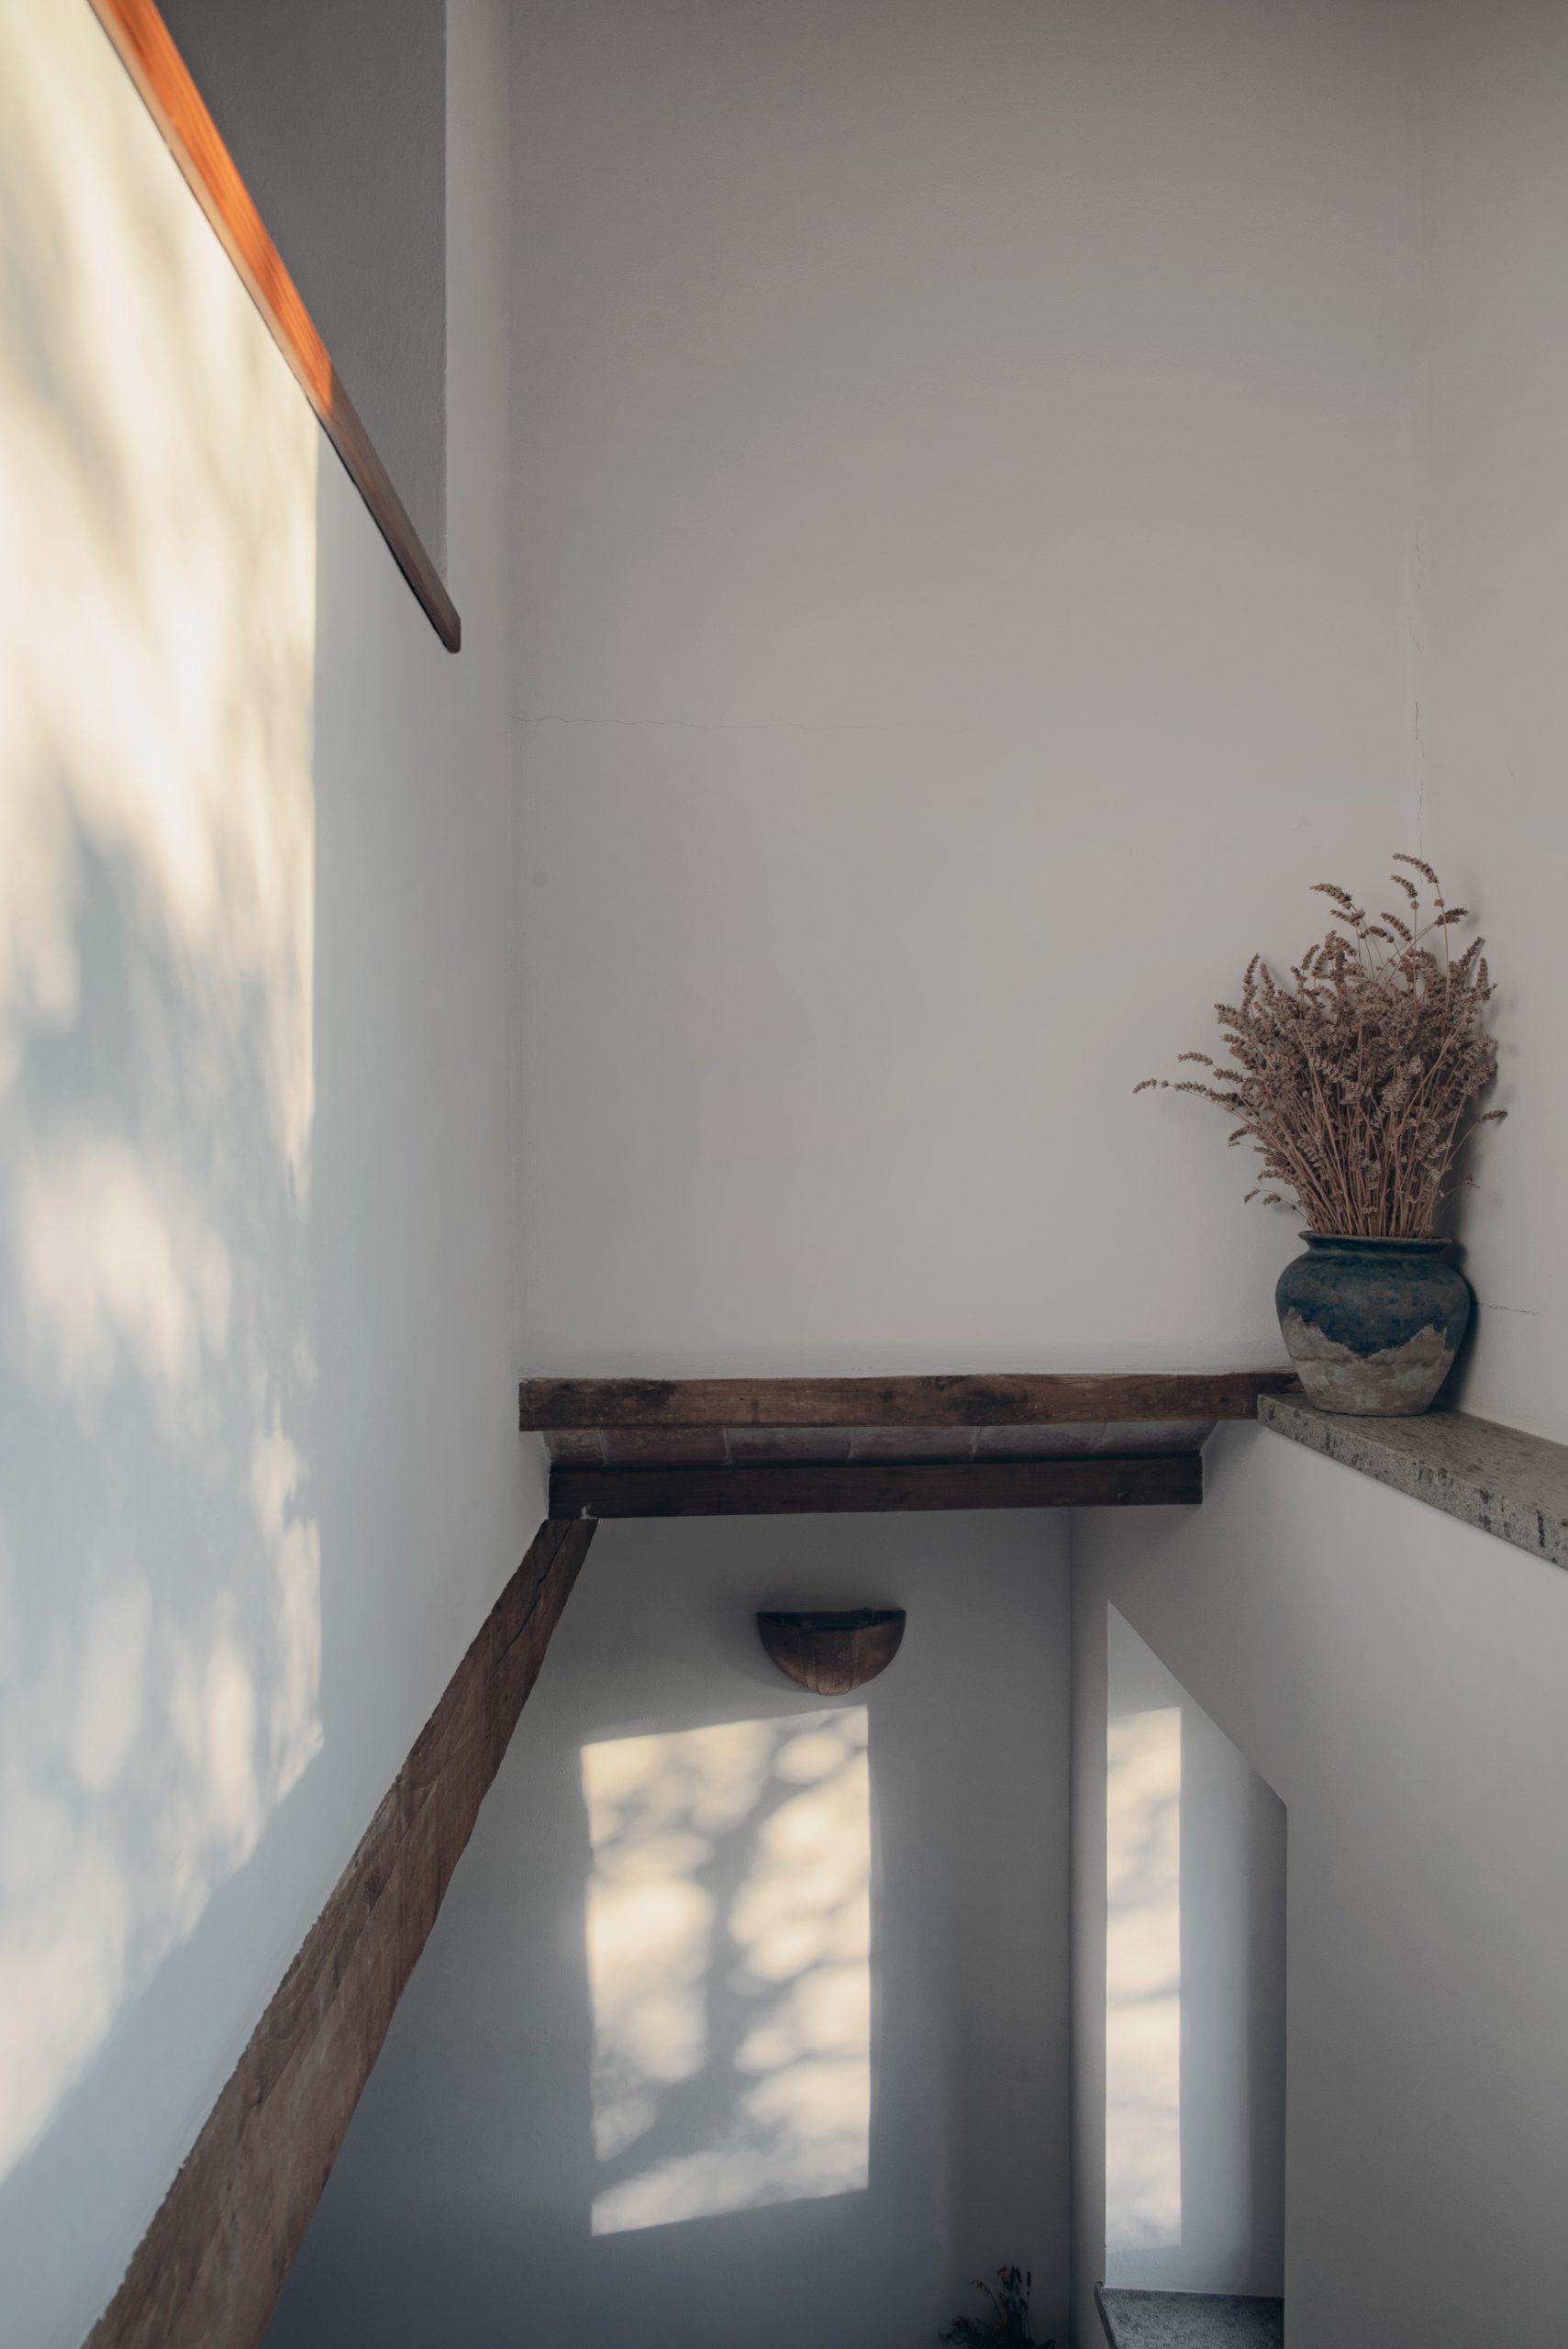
x=1372 y=1326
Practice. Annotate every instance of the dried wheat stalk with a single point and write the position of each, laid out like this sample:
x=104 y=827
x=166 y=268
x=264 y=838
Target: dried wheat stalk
x=1357 y=1081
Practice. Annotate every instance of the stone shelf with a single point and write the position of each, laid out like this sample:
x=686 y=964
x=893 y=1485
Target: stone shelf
x=1189 y=2319
x=1498 y=1478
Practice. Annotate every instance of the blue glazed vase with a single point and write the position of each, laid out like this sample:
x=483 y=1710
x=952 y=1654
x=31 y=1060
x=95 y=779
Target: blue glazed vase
x=1372 y=1326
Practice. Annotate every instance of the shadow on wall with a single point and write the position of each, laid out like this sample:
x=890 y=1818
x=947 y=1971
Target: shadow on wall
x=1194 y=1993
x=728 y=1927
x=160 y=1566
x=1143 y=1981
x=653 y=2079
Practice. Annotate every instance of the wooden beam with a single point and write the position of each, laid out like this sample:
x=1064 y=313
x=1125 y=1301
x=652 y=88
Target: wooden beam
x=1023 y=1399
x=211 y=2266
x=146 y=48
x=803 y=1489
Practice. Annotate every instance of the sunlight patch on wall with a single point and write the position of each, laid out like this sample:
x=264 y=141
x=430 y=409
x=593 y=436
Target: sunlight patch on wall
x=1143 y=1981
x=729 y=1963
x=160 y=1611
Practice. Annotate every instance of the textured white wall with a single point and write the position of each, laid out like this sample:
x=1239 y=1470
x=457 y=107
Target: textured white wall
x=461 y=2206
x=1396 y=1676
x=260 y=1478
x=1195 y=2053
x=1490 y=604
x=961 y=510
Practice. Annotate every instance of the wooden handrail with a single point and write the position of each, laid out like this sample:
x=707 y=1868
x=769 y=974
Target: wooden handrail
x=210 y=2267
x=146 y=48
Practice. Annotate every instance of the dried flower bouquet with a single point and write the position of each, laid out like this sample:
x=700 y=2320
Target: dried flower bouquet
x=1357 y=1081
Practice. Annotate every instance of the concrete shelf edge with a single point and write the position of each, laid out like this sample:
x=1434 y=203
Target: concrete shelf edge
x=1501 y=1479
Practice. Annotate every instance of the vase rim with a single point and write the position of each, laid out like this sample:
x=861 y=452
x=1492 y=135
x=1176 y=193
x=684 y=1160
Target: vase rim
x=1378 y=1239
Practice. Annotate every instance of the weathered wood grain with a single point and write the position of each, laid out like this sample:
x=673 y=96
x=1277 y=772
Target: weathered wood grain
x=1023 y=1399
x=728 y=1447
x=803 y=1488
x=210 y=2268
x=146 y=48
x=831 y=1654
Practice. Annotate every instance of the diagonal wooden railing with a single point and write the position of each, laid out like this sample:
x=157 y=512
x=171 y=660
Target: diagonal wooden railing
x=209 y=2268
x=147 y=50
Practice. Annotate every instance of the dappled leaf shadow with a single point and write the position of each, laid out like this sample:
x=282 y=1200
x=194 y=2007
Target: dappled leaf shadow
x=160 y=1610
x=729 y=1931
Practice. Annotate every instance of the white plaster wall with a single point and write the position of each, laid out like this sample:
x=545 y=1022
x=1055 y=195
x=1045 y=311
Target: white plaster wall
x=1490 y=126
x=961 y=514
x=1214 y=2152
x=336 y=113
x=260 y=1478
x=461 y=2205
x=1398 y=1677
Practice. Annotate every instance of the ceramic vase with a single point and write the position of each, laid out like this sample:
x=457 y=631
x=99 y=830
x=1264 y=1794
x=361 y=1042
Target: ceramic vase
x=1372 y=1326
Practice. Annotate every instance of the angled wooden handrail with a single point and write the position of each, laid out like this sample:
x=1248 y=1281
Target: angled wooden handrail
x=208 y=2270
x=146 y=49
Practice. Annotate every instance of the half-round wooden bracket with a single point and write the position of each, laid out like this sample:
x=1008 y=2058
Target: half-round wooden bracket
x=830 y=1654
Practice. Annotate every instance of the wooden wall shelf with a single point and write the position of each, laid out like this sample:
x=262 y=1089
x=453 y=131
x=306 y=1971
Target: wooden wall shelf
x=809 y=1488
x=1008 y=1399
x=752 y=1447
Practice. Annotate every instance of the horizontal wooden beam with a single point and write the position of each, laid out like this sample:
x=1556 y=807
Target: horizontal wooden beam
x=1020 y=1399
x=146 y=49
x=211 y=2266
x=804 y=1488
